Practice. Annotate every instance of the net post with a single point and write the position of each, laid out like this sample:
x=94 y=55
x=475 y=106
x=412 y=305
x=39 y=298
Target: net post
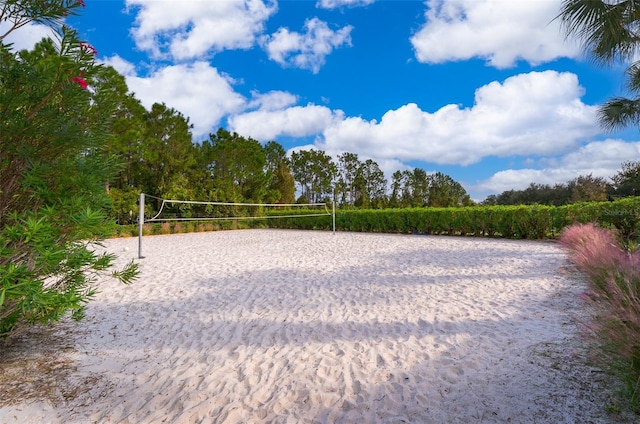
x=141 y=224
x=333 y=214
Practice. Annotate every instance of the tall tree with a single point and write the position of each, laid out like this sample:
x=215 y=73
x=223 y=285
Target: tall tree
x=126 y=135
x=283 y=185
x=417 y=182
x=167 y=149
x=609 y=32
x=325 y=173
x=396 y=189
x=316 y=172
x=202 y=177
x=348 y=166
x=445 y=192
x=238 y=168
x=127 y=126
x=280 y=183
x=371 y=185
x=627 y=181
x=302 y=173
x=275 y=155
x=587 y=188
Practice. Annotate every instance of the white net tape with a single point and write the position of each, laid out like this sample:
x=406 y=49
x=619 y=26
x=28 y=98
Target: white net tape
x=306 y=210
x=266 y=206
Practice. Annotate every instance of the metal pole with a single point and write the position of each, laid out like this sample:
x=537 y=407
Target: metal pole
x=333 y=214
x=141 y=223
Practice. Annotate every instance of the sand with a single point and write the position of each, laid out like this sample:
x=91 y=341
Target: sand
x=279 y=326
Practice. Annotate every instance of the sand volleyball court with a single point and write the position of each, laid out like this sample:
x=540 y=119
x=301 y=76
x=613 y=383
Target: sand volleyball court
x=276 y=326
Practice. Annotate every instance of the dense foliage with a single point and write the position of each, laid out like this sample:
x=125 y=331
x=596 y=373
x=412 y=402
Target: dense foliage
x=513 y=221
x=53 y=171
x=161 y=160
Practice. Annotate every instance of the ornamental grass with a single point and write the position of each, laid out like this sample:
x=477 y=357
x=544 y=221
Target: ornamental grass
x=614 y=276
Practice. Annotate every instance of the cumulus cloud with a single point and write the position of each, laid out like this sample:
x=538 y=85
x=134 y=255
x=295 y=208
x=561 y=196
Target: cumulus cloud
x=512 y=179
x=334 y=4
x=190 y=29
x=197 y=90
x=599 y=158
x=306 y=50
x=538 y=113
x=295 y=121
x=273 y=100
x=121 y=65
x=500 y=31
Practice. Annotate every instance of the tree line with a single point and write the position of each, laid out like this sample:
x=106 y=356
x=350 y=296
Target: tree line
x=158 y=157
x=585 y=188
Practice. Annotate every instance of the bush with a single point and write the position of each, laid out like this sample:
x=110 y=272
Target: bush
x=147 y=230
x=53 y=169
x=165 y=228
x=517 y=222
x=614 y=276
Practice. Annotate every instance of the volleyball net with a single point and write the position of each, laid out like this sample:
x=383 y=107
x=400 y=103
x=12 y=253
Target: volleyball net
x=192 y=210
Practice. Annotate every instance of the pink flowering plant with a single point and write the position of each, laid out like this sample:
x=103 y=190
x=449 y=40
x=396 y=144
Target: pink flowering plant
x=81 y=82
x=614 y=291
x=55 y=126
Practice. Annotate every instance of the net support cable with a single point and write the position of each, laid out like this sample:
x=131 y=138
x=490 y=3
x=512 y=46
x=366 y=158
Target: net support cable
x=155 y=218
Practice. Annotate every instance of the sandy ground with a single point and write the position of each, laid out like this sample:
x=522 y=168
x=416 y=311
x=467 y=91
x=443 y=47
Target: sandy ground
x=278 y=326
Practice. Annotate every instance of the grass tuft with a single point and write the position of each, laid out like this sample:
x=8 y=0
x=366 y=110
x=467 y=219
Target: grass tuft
x=614 y=276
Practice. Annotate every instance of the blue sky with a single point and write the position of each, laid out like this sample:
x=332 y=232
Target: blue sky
x=489 y=92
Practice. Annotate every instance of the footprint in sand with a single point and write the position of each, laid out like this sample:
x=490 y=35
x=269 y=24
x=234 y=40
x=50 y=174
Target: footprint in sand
x=356 y=387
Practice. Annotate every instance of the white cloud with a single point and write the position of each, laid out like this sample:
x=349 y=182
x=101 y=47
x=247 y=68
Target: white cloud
x=605 y=156
x=192 y=29
x=121 y=65
x=511 y=179
x=539 y=113
x=599 y=158
x=273 y=100
x=296 y=121
x=308 y=50
x=334 y=4
x=25 y=37
x=197 y=90
x=500 y=31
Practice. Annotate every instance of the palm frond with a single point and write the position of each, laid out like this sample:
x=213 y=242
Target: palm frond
x=608 y=29
x=618 y=113
x=632 y=75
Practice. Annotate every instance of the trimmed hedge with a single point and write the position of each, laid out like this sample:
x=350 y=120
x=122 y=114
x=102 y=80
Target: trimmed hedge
x=515 y=222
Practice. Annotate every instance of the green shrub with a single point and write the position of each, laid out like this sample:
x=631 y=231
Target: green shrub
x=519 y=222
x=165 y=228
x=54 y=131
